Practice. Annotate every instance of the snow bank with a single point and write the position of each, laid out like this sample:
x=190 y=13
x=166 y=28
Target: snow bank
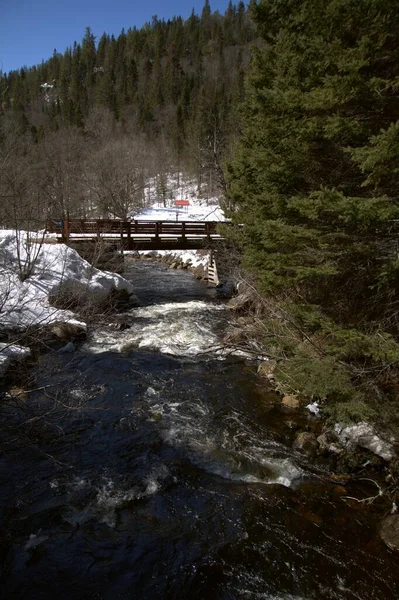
x=10 y=353
x=363 y=435
x=26 y=303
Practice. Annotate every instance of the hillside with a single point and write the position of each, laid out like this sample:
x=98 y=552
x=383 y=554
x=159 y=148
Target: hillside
x=105 y=116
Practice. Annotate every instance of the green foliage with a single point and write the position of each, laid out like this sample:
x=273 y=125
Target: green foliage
x=320 y=378
x=352 y=411
x=315 y=183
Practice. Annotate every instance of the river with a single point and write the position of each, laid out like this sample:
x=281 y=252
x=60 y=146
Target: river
x=161 y=469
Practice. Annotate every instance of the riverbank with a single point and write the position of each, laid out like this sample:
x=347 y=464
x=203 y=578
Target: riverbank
x=48 y=292
x=357 y=449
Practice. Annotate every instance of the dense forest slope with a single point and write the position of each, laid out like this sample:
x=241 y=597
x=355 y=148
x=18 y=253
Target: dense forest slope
x=109 y=113
x=316 y=181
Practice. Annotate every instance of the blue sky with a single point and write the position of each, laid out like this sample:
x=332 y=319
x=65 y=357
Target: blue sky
x=31 y=29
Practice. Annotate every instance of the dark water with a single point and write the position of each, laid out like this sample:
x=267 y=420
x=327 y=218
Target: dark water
x=154 y=475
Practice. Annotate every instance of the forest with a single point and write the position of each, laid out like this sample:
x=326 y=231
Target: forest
x=289 y=111
x=89 y=127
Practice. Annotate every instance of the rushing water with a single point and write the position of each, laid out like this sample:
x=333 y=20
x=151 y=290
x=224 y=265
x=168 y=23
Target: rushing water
x=170 y=474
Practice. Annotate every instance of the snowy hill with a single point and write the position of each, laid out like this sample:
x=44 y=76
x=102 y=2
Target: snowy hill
x=161 y=200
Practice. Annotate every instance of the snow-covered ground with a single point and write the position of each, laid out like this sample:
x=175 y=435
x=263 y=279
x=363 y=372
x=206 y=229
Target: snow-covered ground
x=26 y=303
x=199 y=209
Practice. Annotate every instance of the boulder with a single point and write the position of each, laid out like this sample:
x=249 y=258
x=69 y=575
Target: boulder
x=68 y=348
x=68 y=331
x=306 y=443
x=364 y=435
x=240 y=302
x=328 y=443
x=291 y=401
x=389 y=531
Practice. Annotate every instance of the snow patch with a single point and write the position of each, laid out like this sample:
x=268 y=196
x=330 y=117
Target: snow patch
x=177 y=187
x=10 y=353
x=26 y=303
x=363 y=435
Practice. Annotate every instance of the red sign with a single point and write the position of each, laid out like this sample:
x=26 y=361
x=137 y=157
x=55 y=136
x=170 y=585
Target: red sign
x=182 y=203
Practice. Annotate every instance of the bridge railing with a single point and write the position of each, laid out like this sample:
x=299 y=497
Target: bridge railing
x=126 y=229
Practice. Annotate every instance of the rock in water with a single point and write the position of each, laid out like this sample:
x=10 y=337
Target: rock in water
x=389 y=531
x=69 y=347
x=328 y=443
x=291 y=401
x=68 y=331
x=306 y=443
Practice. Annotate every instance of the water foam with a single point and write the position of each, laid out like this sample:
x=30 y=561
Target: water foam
x=179 y=329
x=228 y=448
x=103 y=500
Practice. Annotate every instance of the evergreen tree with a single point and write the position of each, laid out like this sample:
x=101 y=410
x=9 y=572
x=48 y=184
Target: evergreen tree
x=314 y=179
x=152 y=76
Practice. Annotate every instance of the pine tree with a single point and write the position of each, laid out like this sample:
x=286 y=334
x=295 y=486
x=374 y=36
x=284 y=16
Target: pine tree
x=315 y=178
x=311 y=129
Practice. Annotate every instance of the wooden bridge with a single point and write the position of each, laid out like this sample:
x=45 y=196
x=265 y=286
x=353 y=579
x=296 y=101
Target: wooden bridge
x=137 y=235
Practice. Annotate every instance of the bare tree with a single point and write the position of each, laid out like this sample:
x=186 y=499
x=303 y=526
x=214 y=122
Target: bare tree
x=100 y=124
x=120 y=169
x=22 y=191
x=62 y=155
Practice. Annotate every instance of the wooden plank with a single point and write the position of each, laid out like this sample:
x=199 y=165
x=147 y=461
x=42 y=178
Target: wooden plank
x=154 y=234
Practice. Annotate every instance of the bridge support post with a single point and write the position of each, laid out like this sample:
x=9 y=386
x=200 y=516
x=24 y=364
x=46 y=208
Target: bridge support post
x=65 y=229
x=129 y=236
x=212 y=270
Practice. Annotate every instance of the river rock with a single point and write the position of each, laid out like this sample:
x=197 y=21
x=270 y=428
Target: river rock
x=69 y=347
x=364 y=435
x=306 y=443
x=240 y=302
x=68 y=331
x=389 y=531
x=328 y=443
x=291 y=401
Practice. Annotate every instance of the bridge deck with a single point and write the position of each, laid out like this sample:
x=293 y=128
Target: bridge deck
x=137 y=235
